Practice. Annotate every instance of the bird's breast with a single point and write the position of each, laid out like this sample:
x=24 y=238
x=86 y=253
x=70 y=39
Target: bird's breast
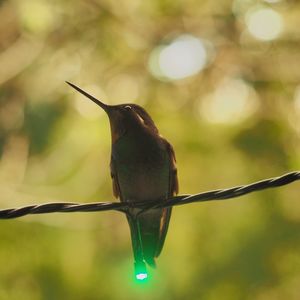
x=142 y=167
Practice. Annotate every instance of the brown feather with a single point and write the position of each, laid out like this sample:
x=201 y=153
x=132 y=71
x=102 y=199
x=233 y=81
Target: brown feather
x=115 y=183
x=173 y=190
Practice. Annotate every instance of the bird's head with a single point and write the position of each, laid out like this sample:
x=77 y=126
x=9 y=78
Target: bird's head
x=123 y=117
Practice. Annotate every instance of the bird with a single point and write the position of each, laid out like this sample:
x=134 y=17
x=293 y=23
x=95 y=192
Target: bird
x=143 y=168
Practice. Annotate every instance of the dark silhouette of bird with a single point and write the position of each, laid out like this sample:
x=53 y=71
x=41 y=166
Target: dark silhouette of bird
x=142 y=169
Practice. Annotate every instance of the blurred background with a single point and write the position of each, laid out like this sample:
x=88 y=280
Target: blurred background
x=221 y=80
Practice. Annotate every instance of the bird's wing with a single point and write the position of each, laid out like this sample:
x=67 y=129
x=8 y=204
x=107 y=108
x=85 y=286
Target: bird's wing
x=173 y=183
x=115 y=182
x=173 y=190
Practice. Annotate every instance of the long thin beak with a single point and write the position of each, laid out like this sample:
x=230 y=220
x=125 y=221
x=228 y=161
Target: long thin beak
x=95 y=100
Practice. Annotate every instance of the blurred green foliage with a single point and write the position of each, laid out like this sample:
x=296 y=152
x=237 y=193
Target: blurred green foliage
x=39 y=120
x=234 y=120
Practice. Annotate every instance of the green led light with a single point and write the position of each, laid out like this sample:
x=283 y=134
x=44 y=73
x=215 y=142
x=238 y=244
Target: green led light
x=140 y=271
x=141 y=276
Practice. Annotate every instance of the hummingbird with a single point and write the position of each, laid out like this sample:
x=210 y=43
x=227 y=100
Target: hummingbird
x=143 y=168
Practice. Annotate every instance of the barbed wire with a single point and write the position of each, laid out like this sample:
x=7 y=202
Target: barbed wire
x=125 y=207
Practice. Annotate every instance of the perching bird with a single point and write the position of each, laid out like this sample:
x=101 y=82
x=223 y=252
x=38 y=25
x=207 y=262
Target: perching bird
x=142 y=169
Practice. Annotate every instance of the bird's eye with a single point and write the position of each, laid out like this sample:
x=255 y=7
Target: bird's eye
x=128 y=107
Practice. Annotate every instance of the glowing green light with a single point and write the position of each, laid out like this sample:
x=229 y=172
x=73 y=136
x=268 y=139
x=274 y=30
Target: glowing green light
x=141 y=276
x=140 y=271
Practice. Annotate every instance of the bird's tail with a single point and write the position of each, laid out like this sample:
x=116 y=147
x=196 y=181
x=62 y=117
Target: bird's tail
x=148 y=232
x=153 y=225
x=139 y=262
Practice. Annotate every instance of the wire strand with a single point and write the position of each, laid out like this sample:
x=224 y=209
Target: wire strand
x=125 y=207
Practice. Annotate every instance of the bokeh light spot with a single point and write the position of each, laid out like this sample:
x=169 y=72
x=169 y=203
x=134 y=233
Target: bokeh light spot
x=37 y=16
x=232 y=102
x=264 y=23
x=183 y=57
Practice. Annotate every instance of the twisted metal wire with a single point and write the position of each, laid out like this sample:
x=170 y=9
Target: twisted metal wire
x=221 y=194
